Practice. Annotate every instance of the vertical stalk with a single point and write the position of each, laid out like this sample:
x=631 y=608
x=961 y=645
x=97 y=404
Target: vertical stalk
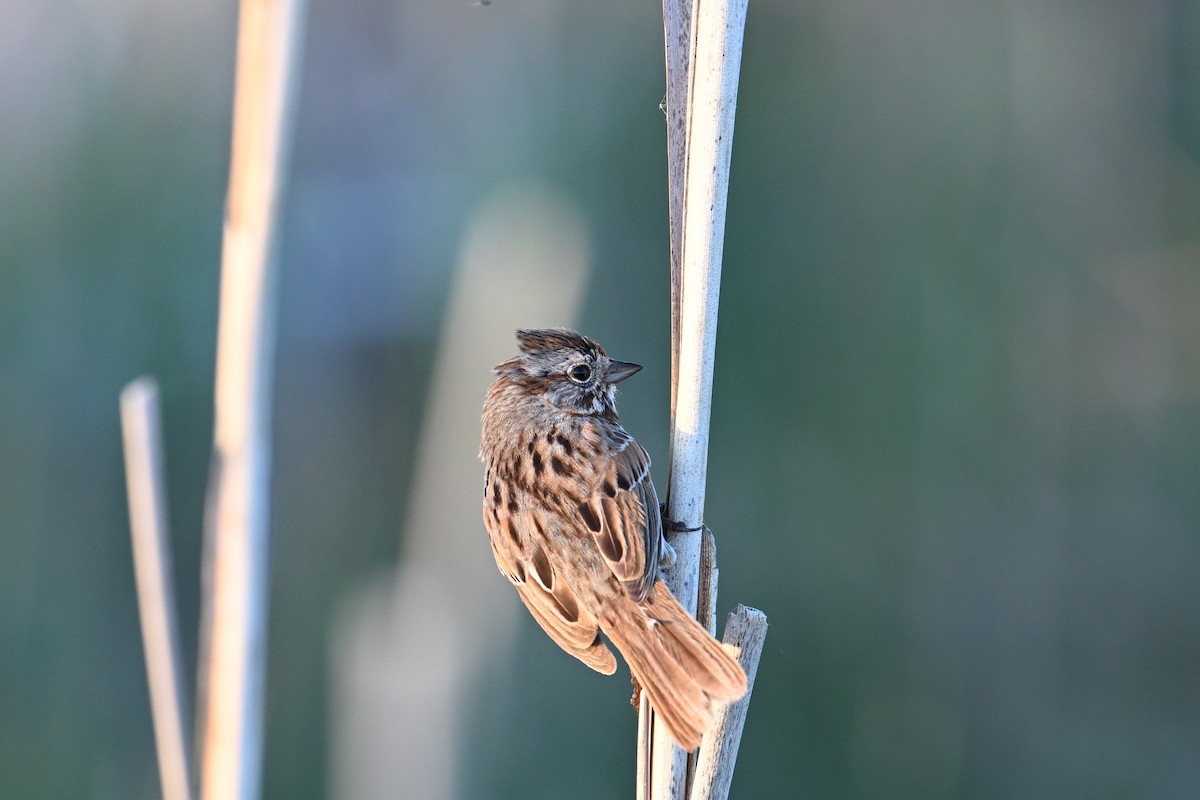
x=716 y=66
x=142 y=433
x=715 y=57
x=745 y=633
x=238 y=511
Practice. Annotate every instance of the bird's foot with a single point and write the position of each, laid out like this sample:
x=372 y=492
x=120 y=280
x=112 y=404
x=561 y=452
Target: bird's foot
x=674 y=525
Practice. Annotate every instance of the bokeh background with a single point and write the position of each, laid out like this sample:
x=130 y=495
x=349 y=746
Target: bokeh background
x=957 y=409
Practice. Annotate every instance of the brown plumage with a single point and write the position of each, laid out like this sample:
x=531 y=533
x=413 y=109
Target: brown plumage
x=574 y=524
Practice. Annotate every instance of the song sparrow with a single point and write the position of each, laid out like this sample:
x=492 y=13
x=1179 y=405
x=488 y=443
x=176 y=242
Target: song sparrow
x=574 y=524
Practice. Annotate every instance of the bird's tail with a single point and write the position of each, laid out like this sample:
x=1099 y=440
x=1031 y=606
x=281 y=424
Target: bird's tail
x=682 y=668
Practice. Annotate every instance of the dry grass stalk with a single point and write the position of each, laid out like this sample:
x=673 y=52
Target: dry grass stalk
x=234 y=646
x=699 y=187
x=142 y=433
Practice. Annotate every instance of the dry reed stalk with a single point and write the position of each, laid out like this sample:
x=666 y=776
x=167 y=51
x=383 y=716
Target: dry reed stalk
x=237 y=524
x=142 y=434
x=700 y=139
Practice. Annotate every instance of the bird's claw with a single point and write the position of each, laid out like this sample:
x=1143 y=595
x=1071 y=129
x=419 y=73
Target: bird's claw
x=674 y=525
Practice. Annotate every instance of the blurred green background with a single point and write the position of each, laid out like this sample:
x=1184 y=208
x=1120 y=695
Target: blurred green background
x=957 y=409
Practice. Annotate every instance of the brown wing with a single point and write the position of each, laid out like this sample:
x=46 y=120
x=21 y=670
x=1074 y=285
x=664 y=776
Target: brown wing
x=622 y=514
x=549 y=600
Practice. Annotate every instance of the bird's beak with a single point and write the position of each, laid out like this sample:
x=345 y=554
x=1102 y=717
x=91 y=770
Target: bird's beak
x=620 y=370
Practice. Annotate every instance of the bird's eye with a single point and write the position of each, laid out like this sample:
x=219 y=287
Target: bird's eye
x=579 y=373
